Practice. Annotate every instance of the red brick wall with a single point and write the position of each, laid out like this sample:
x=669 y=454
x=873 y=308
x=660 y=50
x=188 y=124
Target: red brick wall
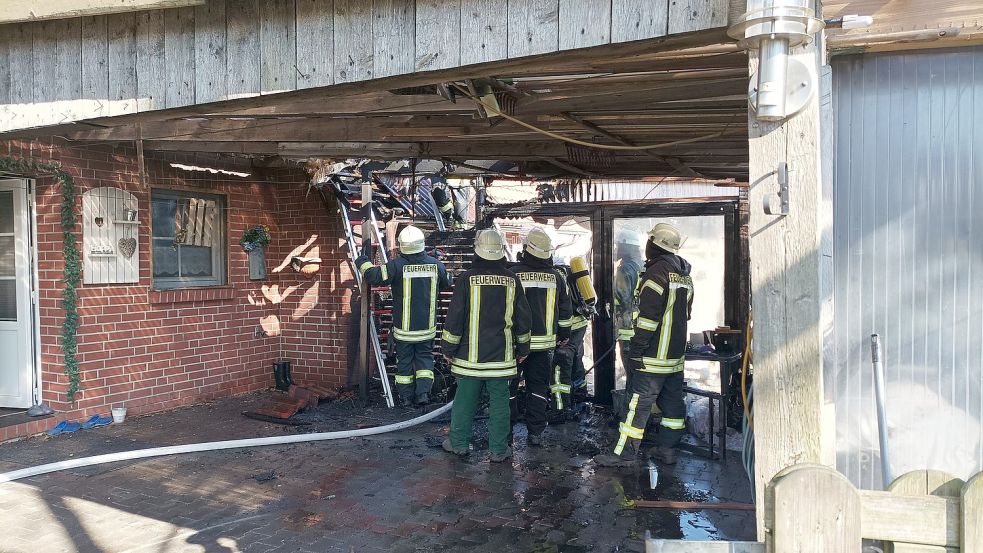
x=156 y=350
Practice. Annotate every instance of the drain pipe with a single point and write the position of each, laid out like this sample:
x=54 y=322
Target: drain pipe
x=215 y=446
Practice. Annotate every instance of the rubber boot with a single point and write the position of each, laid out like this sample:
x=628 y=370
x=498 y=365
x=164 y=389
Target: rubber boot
x=627 y=458
x=287 y=375
x=450 y=449
x=500 y=457
x=664 y=455
x=279 y=376
x=535 y=440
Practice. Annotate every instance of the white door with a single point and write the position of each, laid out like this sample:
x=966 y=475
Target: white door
x=16 y=313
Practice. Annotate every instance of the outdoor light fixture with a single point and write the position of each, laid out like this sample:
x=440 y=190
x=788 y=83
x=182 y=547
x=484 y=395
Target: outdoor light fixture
x=782 y=86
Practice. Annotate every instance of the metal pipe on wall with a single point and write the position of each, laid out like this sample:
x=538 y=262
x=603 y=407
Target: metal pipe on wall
x=880 y=396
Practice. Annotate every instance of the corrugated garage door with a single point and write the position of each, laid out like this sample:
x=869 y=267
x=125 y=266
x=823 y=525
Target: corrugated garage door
x=908 y=258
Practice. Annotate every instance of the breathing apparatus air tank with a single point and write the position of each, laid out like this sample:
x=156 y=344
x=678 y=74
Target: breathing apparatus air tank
x=581 y=278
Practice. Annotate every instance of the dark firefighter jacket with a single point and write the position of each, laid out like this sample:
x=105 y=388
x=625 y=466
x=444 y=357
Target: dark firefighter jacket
x=578 y=319
x=549 y=301
x=627 y=271
x=415 y=280
x=665 y=302
x=487 y=325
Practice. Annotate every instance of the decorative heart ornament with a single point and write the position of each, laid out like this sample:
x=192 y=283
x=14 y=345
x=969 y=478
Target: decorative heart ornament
x=127 y=246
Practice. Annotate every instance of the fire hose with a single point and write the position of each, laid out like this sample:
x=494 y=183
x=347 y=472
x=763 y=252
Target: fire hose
x=216 y=446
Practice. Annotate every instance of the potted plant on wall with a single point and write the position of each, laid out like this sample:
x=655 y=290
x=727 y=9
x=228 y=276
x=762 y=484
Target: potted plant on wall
x=254 y=241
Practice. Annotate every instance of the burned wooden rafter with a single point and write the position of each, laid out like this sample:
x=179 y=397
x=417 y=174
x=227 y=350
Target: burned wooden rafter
x=673 y=162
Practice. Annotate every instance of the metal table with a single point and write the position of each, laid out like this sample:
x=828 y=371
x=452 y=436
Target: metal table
x=728 y=365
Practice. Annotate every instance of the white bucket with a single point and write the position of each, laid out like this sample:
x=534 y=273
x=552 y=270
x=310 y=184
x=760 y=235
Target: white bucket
x=119 y=413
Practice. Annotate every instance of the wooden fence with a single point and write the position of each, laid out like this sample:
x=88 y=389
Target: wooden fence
x=814 y=509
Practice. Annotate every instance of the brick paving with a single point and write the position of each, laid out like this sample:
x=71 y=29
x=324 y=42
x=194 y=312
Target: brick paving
x=394 y=492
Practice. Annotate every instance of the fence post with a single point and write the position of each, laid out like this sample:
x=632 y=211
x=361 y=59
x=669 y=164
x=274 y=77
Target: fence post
x=811 y=509
x=924 y=482
x=972 y=515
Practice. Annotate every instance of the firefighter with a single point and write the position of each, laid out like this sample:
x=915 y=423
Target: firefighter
x=442 y=198
x=569 y=378
x=546 y=290
x=486 y=334
x=656 y=354
x=415 y=279
x=627 y=270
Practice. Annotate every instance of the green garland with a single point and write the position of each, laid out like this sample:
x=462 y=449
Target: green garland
x=73 y=266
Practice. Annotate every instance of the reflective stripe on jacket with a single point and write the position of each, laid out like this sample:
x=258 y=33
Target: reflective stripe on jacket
x=549 y=301
x=415 y=281
x=665 y=302
x=487 y=325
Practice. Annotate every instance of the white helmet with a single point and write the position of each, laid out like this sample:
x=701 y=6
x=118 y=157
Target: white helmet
x=630 y=238
x=538 y=243
x=666 y=237
x=411 y=240
x=489 y=244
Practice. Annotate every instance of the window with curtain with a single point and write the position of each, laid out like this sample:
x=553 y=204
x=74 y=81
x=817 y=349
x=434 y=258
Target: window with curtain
x=188 y=235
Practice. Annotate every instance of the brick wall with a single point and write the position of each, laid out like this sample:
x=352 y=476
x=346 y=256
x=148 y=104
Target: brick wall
x=155 y=350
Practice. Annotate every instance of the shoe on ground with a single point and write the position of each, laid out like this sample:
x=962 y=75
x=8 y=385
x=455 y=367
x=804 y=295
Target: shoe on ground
x=536 y=440
x=406 y=402
x=423 y=399
x=501 y=457
x=40 y=410
x=664 y=455
x=625 y=460
x=450 y=449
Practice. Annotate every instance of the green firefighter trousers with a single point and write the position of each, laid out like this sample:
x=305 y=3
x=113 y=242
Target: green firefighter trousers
x=466 y=404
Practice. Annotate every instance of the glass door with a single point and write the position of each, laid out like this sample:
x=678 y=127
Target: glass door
x=16 y=322
x=703 y=248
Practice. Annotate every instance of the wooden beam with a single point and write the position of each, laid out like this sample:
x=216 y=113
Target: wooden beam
x=785 y=274
x=690 y=546
x=924 y=519
x=671 y=161
x=19 y=11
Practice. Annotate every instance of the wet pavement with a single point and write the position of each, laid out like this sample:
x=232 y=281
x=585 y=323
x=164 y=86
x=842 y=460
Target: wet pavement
x=392 y=492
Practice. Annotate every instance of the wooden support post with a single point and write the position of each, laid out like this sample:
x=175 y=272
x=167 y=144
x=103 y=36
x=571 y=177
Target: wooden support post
x=785 y=277
x=364 y=346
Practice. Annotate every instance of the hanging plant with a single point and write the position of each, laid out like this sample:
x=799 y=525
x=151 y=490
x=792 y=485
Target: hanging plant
x=255 y=238
x=70 y=251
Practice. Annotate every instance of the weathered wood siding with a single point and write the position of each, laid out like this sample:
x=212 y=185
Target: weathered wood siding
x=71 y=69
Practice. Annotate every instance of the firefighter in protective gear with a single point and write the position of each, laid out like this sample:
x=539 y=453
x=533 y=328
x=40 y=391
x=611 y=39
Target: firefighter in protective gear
x=546 y=290
x=486 y=335
x=415 y=279
x=656 y=358
x=627 y=270
x=569 y=378
x=445 y=203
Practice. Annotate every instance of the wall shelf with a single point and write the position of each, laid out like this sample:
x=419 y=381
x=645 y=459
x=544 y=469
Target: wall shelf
x=102 y=254
x=126 y=222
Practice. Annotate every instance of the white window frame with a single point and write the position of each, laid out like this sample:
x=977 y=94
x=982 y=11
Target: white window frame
x=219 y=253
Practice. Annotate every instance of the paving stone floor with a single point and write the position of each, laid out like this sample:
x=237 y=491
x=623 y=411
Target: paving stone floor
x=393 y=492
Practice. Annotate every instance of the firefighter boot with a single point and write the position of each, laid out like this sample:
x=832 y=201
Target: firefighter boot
x=500 y=457
x=535 y=440
x=627 y=458
x=450 y=449
x=664 y=455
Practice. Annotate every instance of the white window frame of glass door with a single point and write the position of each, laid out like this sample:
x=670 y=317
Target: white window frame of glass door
x=27 y=276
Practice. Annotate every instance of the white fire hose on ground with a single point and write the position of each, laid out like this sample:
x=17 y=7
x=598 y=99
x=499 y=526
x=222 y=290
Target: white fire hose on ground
x=215 y=446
